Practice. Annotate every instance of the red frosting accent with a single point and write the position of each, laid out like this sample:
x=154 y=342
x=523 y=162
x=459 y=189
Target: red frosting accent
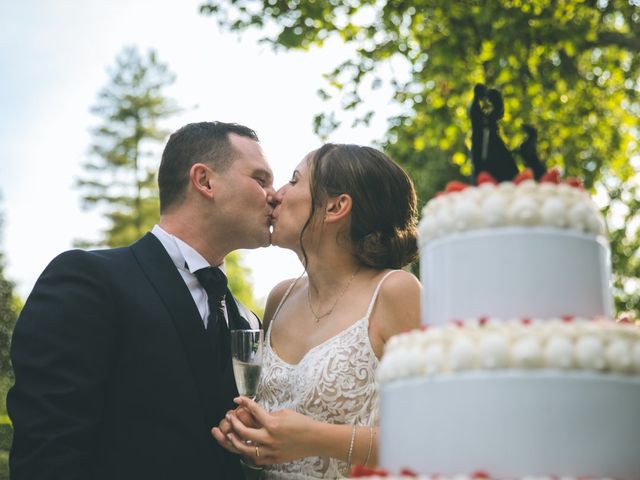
x=552 y=176
x=575 y=182
x=485 y=177
x=362 y=471
x=455 y=186
x=624 y=319
x=526 y=321
x=567 y=318
x=480 y=474
x=483 y=320
x=522 y=176
x=410 y=473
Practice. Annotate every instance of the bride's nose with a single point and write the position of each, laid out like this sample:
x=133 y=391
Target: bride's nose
x=275 y=198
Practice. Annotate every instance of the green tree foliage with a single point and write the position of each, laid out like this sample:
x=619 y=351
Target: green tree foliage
x=624 y=233
x=120 y=172
x=10 y=306
x=569 y=67
x=240 y=283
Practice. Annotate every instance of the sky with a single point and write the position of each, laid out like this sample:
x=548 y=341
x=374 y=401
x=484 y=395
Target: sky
x=54 y=58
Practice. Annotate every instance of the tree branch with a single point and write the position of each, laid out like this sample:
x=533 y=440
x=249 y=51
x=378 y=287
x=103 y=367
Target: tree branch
x=628 y=41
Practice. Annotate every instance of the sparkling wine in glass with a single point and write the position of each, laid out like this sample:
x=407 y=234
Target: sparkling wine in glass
x=246 y=355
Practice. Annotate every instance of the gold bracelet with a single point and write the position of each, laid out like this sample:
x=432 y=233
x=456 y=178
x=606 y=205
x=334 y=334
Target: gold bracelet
x=370 y=446
x=353 y=439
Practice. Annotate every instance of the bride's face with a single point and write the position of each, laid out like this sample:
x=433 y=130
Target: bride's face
x=293 y=209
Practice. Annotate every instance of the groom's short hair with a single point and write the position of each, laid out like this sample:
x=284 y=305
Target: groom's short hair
x=202 y=142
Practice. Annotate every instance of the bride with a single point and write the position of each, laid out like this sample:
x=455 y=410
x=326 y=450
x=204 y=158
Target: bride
x=349 y=212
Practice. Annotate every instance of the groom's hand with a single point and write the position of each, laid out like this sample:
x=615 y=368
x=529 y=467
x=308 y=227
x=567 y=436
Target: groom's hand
x=220 y=433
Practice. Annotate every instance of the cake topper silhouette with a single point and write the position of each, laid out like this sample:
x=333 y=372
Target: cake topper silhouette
x=488 y=151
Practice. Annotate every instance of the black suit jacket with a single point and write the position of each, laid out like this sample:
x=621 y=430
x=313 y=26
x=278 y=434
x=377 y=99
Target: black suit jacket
x=115 y=376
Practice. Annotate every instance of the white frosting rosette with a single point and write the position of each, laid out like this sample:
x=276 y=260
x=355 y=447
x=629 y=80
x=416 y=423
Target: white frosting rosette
x=596 y=345
x=527 y=204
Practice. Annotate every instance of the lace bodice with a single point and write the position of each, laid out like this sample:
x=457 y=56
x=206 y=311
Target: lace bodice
x=333 y=383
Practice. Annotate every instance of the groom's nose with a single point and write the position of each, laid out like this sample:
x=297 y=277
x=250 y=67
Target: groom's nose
x=271 y=192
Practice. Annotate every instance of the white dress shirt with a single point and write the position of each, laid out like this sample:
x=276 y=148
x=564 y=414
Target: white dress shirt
x=187 y=260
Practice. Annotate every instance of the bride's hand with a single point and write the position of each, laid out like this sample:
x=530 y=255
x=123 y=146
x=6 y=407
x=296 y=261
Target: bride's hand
x=224 y=428
x=280 y=436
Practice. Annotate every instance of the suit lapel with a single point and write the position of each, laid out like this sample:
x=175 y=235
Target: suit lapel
x=165 y=278
x=236 y=321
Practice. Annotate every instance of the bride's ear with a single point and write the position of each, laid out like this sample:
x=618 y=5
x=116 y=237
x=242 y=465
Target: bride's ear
x=337 y=208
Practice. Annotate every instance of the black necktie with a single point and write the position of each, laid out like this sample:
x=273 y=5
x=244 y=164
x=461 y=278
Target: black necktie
x=214 y=281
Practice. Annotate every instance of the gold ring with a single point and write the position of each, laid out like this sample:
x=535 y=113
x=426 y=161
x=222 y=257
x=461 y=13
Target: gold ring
x=257 y=451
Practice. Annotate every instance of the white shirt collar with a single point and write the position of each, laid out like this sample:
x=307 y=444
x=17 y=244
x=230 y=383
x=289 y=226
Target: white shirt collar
x=187 y=260
x=183 y=255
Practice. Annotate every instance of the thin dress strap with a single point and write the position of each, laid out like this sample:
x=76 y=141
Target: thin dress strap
x=282 y=300
x=377 y=290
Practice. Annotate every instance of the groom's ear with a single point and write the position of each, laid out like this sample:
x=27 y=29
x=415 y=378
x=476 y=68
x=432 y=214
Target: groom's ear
x=201 y=179
x=337 y=208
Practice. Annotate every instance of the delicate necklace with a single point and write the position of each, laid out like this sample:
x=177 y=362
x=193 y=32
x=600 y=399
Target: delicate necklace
x=313 y=312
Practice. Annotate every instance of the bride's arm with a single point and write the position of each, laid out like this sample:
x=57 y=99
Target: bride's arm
x=396 y=310
x=286 y=435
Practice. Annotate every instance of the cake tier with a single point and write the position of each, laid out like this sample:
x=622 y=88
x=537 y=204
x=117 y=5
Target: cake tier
x=513 y=423
x=514 y=272
x=386 y=476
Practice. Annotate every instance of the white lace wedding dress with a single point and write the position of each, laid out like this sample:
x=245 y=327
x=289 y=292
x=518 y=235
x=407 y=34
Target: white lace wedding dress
x=333 y=383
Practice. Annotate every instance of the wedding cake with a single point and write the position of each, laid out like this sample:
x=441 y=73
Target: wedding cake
x=518 y=371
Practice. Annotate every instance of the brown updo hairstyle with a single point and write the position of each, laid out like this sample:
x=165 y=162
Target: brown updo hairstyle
x=384 y=213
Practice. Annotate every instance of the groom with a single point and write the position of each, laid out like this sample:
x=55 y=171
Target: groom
x=121 y=356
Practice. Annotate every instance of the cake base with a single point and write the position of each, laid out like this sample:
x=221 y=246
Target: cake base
x=512 y=424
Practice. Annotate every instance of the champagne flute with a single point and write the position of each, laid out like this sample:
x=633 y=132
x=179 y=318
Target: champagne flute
x=246 y=356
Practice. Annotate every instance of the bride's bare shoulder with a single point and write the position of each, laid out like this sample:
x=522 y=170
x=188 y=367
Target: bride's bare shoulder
x=274 y=299
x=399 y=303
x=401 y=284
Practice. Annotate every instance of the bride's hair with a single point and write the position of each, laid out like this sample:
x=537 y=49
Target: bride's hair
x=384 y=213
